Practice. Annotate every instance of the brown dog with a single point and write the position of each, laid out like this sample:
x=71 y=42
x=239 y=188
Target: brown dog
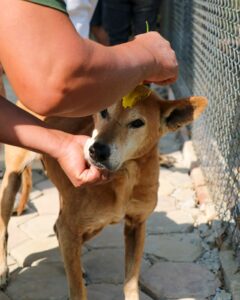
x=124 y=141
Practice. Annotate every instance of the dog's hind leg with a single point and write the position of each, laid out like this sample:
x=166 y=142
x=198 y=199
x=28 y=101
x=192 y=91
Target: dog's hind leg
x=70 y=245
x=9 y=188
x=16 y=160
x=134 y=242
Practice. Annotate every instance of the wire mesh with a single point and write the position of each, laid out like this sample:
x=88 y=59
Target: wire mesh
x=206 y=37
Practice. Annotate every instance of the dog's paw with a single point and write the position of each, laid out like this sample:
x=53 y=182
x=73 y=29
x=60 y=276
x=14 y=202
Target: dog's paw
x=4 y=275
x=166 y=161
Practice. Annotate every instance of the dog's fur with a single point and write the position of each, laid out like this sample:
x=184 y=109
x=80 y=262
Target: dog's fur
x=131 y=154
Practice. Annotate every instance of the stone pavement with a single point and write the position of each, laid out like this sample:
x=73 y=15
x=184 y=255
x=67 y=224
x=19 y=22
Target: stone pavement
x=180 y=259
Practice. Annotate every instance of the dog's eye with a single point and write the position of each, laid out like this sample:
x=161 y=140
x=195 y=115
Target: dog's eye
x=104 y=113
x=136 y=123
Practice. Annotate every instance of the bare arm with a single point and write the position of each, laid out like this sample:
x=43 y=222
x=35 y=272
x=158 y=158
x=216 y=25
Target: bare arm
x=54 y=71
x=19 y=128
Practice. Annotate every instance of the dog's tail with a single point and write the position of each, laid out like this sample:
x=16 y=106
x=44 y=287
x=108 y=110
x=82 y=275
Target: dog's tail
x=26 y=186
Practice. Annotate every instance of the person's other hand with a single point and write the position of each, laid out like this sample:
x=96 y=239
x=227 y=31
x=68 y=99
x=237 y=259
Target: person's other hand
x=72 y=161
x=164 y=68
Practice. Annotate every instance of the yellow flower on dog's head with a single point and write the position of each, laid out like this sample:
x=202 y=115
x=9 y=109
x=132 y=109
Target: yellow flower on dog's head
x=141 y=92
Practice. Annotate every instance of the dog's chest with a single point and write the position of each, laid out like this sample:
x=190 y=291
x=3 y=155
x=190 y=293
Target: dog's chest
x=108 y=203
x=112 y=202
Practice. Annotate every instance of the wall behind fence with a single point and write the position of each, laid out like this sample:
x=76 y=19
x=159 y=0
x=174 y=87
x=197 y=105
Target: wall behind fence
x=206 y=37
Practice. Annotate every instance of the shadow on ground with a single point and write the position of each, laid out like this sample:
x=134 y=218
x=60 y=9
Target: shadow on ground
x=170 y=266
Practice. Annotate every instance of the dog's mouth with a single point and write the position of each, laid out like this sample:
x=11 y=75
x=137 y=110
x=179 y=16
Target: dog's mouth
x=104 y=165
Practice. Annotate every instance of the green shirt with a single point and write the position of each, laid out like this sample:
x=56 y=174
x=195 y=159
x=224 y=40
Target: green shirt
x=57 y=4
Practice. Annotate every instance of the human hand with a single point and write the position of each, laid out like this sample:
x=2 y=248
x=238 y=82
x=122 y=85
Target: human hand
x=163 y=69
x=72 y=161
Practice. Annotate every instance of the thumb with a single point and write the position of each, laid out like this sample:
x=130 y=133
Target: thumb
x=90 y=175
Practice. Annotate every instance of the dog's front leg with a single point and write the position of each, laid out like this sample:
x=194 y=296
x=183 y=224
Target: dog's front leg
x=134 y=242
x=70 y=245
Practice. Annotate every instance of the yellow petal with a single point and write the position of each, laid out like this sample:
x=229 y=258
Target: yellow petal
x=139 y=93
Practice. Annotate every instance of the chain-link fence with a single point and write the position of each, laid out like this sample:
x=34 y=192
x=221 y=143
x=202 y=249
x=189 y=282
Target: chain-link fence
x=206 y=37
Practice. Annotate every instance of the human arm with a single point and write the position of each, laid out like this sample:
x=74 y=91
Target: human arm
x=19 y=128
x=55 y=72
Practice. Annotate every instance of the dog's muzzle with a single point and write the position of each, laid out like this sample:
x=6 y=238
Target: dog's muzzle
x=99 y=154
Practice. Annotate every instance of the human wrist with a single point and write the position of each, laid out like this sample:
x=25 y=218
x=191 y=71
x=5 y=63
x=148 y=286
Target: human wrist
x=137 y=57
x=143 y=57
x=58 y=143
x=52 y=142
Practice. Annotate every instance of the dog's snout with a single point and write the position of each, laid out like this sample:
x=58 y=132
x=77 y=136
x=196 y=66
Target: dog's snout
x=99 y=151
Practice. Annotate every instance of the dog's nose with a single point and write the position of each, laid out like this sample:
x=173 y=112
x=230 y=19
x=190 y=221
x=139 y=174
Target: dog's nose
x=99 y=151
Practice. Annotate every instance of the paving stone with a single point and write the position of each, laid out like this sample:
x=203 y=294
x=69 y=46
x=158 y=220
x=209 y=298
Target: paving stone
x=165 y=187
x=185 y=198
x=48 y=203
x=26 y=216
x=3 y=296
x=231 y=273
x=170 y=222
x=44 y=185
x=201 y=219
x=165 y=204
x=189 y=155
x=197 y=176
x=39 y=227
x=210 y=259
x=106 y=265
x=37 y=251
x=109 y=292
x=111 y=237
x=204 y=229
x=178 y=158
x=194 y=212
x=15 y=236
x=222 y=295
x=166 y=280
x=174 y=247
x=38 y=176
x=210 y=211
x=44 y=282
x=35 y=194
x=104 y=291
x=12 y=264
x=189 y=299
x=178 y=179
x=203 y=195
x=144 y=296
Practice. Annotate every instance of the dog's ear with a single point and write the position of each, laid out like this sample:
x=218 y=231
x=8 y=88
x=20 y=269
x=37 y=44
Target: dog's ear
x=175 y=114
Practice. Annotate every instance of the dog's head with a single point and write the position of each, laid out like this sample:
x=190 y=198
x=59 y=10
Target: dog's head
x=121 y=134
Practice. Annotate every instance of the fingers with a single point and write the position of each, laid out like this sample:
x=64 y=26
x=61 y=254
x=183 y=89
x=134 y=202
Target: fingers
x=164 y=82
x=92 y=175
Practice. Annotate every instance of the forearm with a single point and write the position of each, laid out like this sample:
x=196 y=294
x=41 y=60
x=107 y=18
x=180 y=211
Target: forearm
x=103 y=76
x=21 y=129
x=55 y=72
